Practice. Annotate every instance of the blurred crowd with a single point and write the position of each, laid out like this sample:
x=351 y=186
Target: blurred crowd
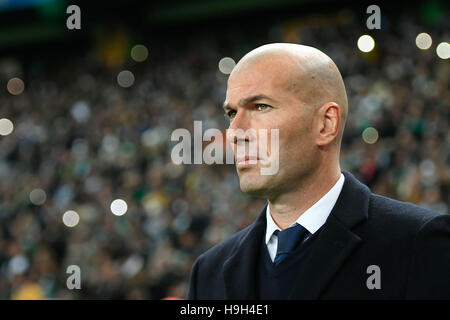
x=81 y=140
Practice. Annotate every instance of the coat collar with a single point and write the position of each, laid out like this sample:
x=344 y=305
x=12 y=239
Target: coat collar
x=332 y=247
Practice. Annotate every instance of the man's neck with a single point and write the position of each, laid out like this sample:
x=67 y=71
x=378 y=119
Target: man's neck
x=286 y=208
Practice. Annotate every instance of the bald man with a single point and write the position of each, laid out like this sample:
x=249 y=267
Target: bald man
x=322 y=234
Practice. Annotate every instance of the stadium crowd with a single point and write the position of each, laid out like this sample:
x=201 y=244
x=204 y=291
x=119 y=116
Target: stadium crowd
x=81 y=140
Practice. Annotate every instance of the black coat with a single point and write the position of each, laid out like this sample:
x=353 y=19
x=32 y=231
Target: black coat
x=409 y=244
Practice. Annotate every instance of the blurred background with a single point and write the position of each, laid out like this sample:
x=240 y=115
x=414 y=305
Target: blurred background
x=86 y=176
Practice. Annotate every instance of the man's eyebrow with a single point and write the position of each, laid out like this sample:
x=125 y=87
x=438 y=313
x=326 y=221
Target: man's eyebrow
x=250 y=99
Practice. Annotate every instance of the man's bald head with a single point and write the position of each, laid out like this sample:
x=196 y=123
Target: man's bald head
x=309 y=73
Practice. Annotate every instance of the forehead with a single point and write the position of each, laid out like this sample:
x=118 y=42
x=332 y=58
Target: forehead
x=270 y=77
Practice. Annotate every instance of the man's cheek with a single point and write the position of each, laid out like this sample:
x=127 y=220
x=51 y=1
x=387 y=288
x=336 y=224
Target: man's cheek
x=271 y=149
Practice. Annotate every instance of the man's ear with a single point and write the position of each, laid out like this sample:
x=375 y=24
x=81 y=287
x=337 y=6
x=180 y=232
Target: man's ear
x=328 y=118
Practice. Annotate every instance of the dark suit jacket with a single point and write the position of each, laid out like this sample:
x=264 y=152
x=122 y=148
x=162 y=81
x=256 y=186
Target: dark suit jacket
x=409 y=244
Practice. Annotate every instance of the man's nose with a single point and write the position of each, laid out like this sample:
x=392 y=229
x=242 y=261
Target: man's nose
x=240 y=130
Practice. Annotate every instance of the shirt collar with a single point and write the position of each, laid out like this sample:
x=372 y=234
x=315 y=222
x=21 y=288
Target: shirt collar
x=313 y=218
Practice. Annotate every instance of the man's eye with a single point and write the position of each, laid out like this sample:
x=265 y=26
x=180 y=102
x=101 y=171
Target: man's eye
x=231 y=114
x=262 y=107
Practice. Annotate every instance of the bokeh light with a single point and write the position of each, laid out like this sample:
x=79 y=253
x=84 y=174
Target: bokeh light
x=370 y=135
x=125 y=78
x=443 y=50
x=139 y=53
x=81 y=111
x=366 y=43
x=6 y=127
x=423 y=41
x=18 y=264
x=71 y=218
x=119 y=207
x=226 y=65
x=38 y=196
x=427 y=168
x=15 y=86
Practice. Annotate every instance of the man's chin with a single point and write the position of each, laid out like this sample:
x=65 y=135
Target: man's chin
x=253 y=188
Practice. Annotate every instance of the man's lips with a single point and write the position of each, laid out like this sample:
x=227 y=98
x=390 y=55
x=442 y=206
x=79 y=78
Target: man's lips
x=246 y=160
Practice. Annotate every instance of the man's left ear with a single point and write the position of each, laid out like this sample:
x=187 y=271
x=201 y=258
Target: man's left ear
x=329 y=121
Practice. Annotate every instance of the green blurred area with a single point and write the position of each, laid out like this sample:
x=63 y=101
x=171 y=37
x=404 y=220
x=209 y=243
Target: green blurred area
x=191 y=10
x=45 y=20
x=31 y=22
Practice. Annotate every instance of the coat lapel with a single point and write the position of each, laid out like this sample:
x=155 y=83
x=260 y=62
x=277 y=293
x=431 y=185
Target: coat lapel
x=240 y=269
x=336 y=241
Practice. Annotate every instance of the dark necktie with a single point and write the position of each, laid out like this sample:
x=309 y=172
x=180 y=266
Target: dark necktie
x=288 y=239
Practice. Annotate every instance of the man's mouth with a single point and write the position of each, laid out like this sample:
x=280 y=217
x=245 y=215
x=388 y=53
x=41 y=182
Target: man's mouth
x=246 y=161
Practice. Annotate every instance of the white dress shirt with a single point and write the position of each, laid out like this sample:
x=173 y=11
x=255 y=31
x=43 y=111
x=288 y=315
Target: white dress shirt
x=312 y=219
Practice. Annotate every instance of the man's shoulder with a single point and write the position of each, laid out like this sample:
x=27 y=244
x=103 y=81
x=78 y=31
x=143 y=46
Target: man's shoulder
x=389 y=205
x=420 y=233
x=399 y=212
